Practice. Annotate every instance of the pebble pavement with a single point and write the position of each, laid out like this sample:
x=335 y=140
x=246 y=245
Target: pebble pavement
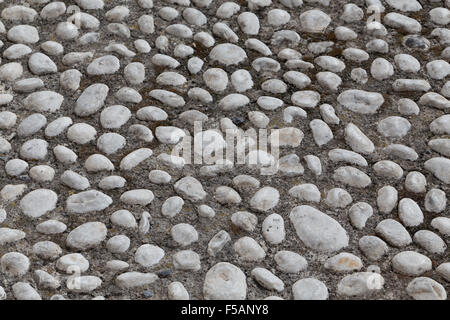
x=95 y=96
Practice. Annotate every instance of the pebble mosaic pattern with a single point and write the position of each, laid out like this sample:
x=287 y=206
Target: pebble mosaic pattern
x=95 y=95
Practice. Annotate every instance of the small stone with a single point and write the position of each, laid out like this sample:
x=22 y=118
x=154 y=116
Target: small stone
x=352 y=177
x=402 y=22
x=338 y=198
x=430 y=241
x=444 y=270
x=440 y=167
x=225 y=281
x=373 y=247
x=265 y=199
x=14 y=264
x=249 y=23
x=360 y=284
x=307 y=220
x=290 y=262
x=352 y=13
x=440 y=16
x=81 y=133
x=87 y=235
x=215 y=79
x=267 y=279
x=41 y=64
x=405 y=5
x=388 y=169
x=411 y=263
x=314 y=21
x=434 y=100
x=176 y=291
x=306 y=192
x=91 y=100
x=83 y=284
x=87 y=201
x=244 y=220
x=114 y=117
x=118 y=244
x=408 y=107
x=16 y=167
x=410 y=213
x=51 y=227
x=228 y=54
x=8 y=235
x=184 y=234
x=124 y=219
x=17 y=51
x=23 y=34
x=394 y=126
x=407 y=63
x=344 y=262
x=64 y=154
x=172 y=206
x=66 y=31
x=415 y=182
x=186 y=260
x=217 y=242
x=148 y=255
x=361 y=101
x=38 y=202
x=359 y=213
x=137 y=197
x=393 y=232
x=46 y=280
x=249 y=250
x=387 y=199
x=357 y=140
x=169 y=135
x=72 y=261
x=42 y=173
x=44 y=101
x=273 y=229
x=435 y=200
x=381 y=69
x=190 y=188
x=424 y=288
x=47 y=250
x=24 y=291
x=70 y=79
x=134 y=158
x=309 y=289
x=104 y=65
x=7 y=119
x=130 y=280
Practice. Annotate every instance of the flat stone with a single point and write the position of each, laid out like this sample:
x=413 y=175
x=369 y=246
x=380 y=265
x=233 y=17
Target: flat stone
x=360 y=284
x=228 y=54
x=225 y=281
x=88 y=201
x=424 y=288
x=411 y=263
x=190 y=188
x=317 y=230
x=393 y=232
x=44 y=101
x=87 y=235
x=91 y=100
x=309 y=289
x=148 y=255
x=38 y=202
x=360 y=101
x=107 y=64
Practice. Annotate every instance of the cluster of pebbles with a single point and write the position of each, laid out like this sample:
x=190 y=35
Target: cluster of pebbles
x=96 y=94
